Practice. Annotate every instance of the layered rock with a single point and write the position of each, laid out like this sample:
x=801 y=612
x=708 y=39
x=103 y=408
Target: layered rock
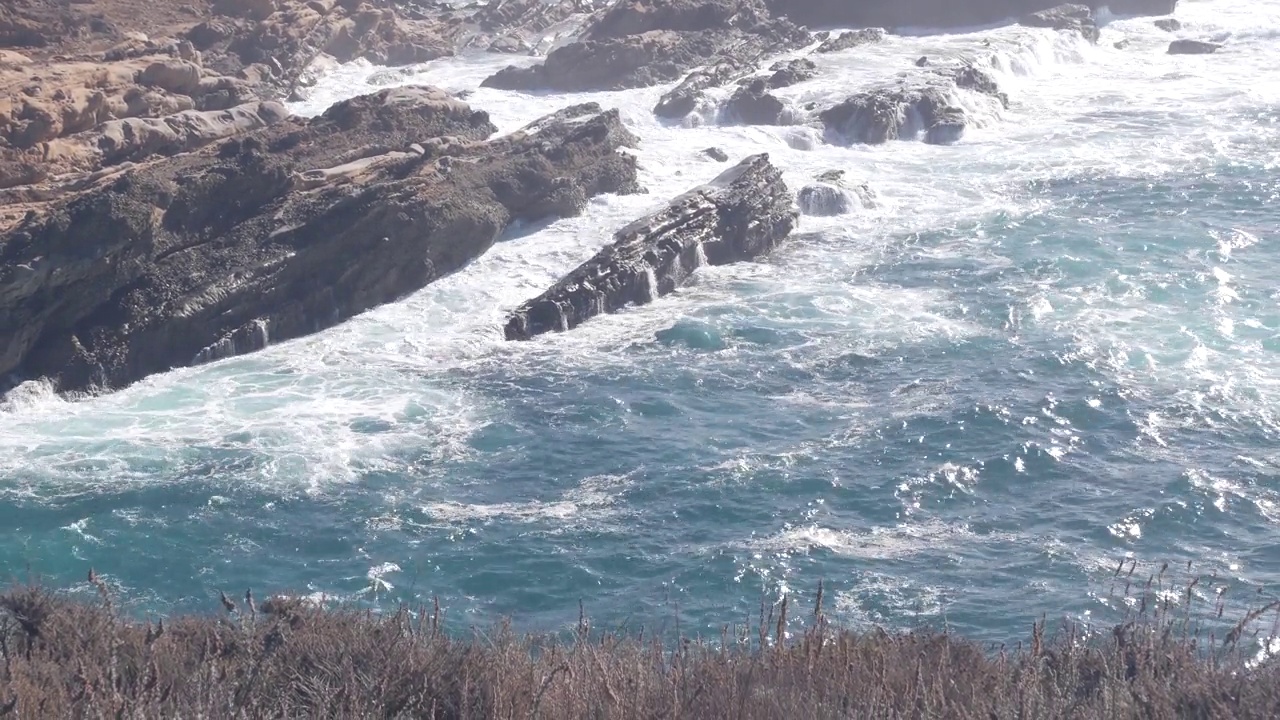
x=282 y=231
x=939 y=13
x=648 y=42
x=741 y=215
x=923 y=106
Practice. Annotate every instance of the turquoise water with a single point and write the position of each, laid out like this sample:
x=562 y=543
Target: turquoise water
x=1051 y=346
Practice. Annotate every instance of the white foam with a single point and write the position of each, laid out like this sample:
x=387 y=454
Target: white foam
x=301 y=405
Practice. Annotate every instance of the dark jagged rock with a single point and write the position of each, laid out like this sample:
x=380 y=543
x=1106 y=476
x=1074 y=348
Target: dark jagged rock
x=685 y=97
x=1168 y=24
x=752 y=104
x=1192 y=47
x=791 y=72
x=938 y=13
x=922 y=107
x=1070 y=17
x=852 y=39
x=741 y=215
x=716 y=154
x=648 y=42
x=283 y=231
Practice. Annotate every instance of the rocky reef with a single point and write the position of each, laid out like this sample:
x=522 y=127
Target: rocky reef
x=283 y=231
x=741 y=215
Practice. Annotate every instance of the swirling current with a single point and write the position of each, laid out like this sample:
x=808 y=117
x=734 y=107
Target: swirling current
x=1047 y=347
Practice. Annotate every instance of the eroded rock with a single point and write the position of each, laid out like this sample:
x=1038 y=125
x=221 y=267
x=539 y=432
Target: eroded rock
x=741 y=215
x=283 y=231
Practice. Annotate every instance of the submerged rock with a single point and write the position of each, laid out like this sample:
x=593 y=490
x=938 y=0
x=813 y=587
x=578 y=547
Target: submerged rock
x=1168 y=24
x=924 y=106
x=1072 y=17
x=1193 y=47
x=716 y=154
x=741 y=215
x=283 y=231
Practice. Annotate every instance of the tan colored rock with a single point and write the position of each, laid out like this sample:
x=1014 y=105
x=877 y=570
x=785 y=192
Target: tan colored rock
x=177 y=76
x=248 y=9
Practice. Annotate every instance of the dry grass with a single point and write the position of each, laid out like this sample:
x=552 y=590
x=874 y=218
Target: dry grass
x=285 y=658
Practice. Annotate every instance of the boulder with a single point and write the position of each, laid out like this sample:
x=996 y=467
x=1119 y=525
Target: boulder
x=922 y=107
x=716 y=154
x=1192 y=47
x=1072 y=17
x=831 y=196
x=247 y=9
x=282 y=232
x=753 y=105
x=741 y=215
x=1168 y=24
x=852 y=39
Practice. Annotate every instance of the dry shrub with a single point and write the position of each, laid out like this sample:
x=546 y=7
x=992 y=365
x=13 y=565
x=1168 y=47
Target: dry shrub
x=67 y=658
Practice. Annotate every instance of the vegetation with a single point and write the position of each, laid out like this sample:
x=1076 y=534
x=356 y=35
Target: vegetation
x=289 y=658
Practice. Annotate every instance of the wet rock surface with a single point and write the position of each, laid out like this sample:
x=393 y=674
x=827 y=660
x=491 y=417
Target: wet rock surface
x=283 y=231
x=741 y=215
x=920 y=106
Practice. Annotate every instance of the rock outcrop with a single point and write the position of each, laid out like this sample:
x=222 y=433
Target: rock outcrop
x=852 y=39
x=282 y=231
x=923 y=106
x=1072 y=17
x=648 y=42
x=741 y=215
x=939 y=13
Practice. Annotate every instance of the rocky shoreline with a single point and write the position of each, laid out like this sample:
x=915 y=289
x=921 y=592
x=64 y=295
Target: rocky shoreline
x=160 y=206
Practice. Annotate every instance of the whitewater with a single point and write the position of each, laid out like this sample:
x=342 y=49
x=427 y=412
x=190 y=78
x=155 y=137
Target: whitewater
x=1050 y=346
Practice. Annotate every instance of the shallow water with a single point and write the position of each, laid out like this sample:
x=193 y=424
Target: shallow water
x=1048 y=347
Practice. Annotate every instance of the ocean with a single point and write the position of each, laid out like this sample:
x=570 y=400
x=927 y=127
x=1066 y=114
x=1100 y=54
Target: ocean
x=1051 y=346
